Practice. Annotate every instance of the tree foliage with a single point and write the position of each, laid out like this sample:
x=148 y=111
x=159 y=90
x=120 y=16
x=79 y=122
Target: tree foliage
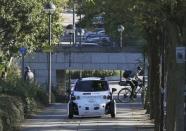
x=23 y=23
x=162 y=23
x=114 y=13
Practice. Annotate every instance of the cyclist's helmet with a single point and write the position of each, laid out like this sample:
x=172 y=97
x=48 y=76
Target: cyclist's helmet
x=27 y=68
x=139 y=68
x=127 y=73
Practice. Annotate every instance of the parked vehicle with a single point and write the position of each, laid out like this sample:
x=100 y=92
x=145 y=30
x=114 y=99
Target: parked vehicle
x=91 y=96
x=90 y=44
x=94 y=39
x=101 y=32
x=90 y=34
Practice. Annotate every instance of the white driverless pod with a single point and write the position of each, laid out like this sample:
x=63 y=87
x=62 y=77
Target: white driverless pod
x=91 y=97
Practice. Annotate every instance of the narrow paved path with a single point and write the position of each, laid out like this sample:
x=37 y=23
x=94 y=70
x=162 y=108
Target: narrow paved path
x=130 y=117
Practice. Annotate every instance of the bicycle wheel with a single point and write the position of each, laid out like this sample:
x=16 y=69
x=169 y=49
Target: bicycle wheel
x=124 y=95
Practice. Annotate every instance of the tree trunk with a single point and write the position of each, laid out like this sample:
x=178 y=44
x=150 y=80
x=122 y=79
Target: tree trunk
x=147 y=94
x=155 y=81
x=151 y=82
x=180 y=82
x=172 y=89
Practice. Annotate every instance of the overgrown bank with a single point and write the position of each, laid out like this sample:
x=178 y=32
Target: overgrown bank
x=18 y=100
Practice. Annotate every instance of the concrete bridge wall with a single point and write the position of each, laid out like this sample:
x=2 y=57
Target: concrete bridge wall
x=81 y=61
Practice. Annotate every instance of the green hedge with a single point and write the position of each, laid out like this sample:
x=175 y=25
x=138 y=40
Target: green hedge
x=19 y=99
x=17 y=87
x=11 y=112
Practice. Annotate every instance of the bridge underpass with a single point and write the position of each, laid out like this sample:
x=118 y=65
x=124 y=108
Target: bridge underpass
x=75 y=58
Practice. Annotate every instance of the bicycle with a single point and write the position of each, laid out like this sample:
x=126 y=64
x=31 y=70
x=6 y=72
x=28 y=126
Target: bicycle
x=125 y=94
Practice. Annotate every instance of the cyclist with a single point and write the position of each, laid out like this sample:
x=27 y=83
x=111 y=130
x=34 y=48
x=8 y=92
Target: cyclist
x=127 y=75
x=132 y=79
x=140 y=71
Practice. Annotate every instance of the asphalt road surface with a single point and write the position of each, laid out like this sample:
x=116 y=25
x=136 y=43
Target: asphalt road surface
x=130 y=117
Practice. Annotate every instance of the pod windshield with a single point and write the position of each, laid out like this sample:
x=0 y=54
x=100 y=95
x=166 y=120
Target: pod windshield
x=91 y=86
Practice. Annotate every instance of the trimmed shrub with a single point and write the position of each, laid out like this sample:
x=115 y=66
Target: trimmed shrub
x=1 y=125
x=25 y=90
x=30 y=106
x=41 y=96
x=59 y=95
x=11 y=112
x=4 y=121
x=1 y=119
x=19 y=99
x=24 y=100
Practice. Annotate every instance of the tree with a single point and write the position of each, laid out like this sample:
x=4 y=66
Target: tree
x=114 y=13
x=23 y=23
x=160 y=22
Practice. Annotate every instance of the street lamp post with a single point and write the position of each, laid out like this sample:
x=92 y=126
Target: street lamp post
x=80 y=31
x=121 y=29
x=74 y=26
x=49 y=9
x=70 y=30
